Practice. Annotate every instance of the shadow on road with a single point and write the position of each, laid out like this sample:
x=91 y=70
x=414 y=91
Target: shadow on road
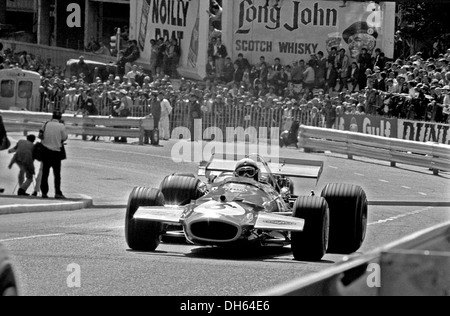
x=244 y=254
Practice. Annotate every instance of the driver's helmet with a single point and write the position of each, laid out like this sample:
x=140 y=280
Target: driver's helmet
x=247 y=168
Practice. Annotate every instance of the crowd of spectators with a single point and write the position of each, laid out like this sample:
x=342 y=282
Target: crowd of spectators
x=415 y=89
x=27 y=61
x=164 y=54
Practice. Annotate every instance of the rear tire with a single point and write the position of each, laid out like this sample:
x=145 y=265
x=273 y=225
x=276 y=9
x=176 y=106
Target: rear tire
x=143 y=235
x=348 y=217
x=180 y=190
x=312 y=243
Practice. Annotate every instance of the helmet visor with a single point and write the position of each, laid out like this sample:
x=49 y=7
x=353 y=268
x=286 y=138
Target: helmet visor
x=247 y=172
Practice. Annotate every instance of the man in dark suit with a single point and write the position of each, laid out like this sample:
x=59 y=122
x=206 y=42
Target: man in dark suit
x=354 y=76
x=195 y=113
x=365 y=62
x=238 y=74
x=243 y=62
x=227 y=75
x=379 y=59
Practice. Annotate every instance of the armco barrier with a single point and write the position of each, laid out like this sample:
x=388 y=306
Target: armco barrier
x=81 y=125
x=428 y=155
x=417 y=265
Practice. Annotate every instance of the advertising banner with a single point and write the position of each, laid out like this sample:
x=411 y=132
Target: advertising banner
x=293 y=30
x=168 y=19
x=424 y=132
x=368 y=124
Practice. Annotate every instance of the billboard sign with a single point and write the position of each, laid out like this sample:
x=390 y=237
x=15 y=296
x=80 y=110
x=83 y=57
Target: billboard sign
x=295 y=30
x=168 y=19
x=369 y=124
x=424 y=132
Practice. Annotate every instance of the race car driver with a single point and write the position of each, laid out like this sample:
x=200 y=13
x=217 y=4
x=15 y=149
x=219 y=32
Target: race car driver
x=248 y=168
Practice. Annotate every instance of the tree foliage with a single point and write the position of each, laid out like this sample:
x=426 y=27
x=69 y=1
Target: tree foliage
x=3 y=11
x=424 y=24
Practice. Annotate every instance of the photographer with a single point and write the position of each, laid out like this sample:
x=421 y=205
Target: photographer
x=54 y=135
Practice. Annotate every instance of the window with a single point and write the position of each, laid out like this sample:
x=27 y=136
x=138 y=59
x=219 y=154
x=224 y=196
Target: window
x=7 y=88
x=25 y=89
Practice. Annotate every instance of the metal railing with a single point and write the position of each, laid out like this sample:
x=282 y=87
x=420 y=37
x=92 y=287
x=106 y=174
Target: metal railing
x=416 y=265
x=82 y=125
x=436 y=157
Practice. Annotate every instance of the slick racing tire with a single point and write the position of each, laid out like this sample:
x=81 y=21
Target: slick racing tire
x=8 y=285
x=312 y=243
x=348 y=217
x=180 y=190
x=140 y=234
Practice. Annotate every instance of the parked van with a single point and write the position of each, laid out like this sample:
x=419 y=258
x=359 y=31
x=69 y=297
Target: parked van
x=19 y=89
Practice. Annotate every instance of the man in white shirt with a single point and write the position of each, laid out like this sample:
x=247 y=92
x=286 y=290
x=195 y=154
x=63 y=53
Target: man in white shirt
x=133 y=73
x=71 y=100
x=164 y=123
x=446 y=103
x=54 y=135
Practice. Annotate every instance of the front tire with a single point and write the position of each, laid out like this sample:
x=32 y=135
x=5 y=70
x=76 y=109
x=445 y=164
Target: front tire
x=312 y=243
x=348 y=217
x=140 y=234
x=180 y=190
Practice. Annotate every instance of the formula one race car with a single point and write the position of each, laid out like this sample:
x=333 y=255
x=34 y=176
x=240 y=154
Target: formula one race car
x=245 y=203
x=8 y=285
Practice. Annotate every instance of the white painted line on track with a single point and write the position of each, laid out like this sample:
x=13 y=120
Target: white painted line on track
x=332 y=167
x=394 y=218
x=384 y=181
x=360 y=174
x=424 y=194
x=32 y=237
x=405 y=187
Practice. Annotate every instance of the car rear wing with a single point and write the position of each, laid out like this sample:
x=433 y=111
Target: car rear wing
x=287 y=167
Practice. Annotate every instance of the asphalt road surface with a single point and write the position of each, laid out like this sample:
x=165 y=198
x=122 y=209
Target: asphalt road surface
x=45 y=246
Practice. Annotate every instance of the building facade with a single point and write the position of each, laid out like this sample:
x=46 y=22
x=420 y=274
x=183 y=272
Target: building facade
x=45 y=22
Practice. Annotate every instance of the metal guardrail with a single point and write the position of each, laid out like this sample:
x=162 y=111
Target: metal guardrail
x=417 y=265
x=428 y=155
x=82 y=125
